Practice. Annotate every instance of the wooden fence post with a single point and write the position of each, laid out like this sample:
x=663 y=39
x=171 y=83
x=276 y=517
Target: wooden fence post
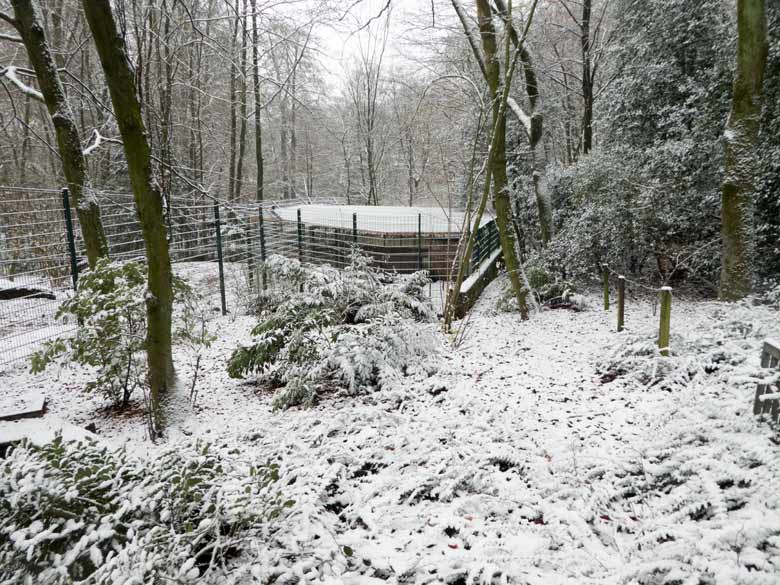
x=605 y=282
x=621 y=302
x=666 y=315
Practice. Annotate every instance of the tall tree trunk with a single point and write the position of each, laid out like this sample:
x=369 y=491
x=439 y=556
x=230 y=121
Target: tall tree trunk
x=497 y=160
x=74 y=166
x=148 y=198
x=737 y=231
x=242 y=111
x=293 y=129
x=587 y=81
x=232 y=114
x=258 y=100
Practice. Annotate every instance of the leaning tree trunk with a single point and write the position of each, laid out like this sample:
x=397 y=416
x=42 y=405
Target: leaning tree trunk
x=497 y=158
x=74 y=166
x=148 y=198
x=737 y=232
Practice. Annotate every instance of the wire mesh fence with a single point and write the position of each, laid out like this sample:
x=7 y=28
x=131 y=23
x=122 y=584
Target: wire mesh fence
x=219 y=247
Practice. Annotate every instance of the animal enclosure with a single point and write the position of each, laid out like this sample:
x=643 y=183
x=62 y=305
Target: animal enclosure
x=41 y=251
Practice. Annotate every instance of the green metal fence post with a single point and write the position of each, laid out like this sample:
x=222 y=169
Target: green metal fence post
x=354 y=229
x=74 y=266
x=220 y=259
x=262 y=245
x=300 y=237
x=419 y=242
x=605 y=283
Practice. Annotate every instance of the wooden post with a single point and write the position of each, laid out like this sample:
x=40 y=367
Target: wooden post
x=666 y=314
x=621 y=302
x=605 y=281
x=354 y=229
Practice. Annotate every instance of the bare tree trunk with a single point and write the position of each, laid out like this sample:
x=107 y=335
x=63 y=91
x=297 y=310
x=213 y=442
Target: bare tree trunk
x=148 y=198
x=258 y=100
x=242 y=111
x=587 y=80
x=74 y=166
x=497 y=158
x=737 y=231
x=232 y=115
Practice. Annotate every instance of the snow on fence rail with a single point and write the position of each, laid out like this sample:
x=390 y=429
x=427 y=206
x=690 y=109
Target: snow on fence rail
x=208 y=240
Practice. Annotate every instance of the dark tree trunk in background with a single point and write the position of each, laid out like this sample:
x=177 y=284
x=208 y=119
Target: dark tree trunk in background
x=587 y=79
x=258 y=100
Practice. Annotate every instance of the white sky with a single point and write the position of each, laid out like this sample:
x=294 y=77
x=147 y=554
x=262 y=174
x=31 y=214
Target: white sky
x=341 y=42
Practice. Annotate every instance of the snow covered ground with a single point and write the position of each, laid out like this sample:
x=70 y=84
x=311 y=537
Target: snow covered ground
x=522 y=461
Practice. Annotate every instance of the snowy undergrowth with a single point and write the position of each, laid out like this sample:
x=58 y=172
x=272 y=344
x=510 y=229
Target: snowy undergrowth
x=515 y=463
x=82 y=512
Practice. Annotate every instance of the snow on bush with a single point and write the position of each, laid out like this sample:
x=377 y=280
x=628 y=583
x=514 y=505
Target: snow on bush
x=355 y=329
x=110 y=308
x=720 y=353
x=82 y=512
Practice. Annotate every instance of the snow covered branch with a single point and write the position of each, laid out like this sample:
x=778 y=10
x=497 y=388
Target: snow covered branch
x=97 y=140
x=10 y=38
x=10 y=73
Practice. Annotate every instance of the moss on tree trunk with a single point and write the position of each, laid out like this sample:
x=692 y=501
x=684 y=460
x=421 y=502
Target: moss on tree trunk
x=74 y=166
x=148 y=198
x=737 y=231
x=497 y=161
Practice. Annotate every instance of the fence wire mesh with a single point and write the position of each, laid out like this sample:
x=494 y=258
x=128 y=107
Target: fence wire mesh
x=216 y=246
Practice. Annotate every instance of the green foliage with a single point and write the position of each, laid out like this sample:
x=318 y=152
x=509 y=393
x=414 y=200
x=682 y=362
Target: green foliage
x=75 y=511
x=110 y=309
x=353 y=329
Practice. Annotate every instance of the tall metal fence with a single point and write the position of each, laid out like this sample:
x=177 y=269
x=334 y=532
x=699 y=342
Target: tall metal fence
x=218 y=247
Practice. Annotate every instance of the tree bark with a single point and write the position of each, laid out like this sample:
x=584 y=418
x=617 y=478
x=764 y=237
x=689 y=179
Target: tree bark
x=737 y=230
x=74 y=166
x=497 y=159
x=258 y=100
x=242 y=111
x=587 y=80
x=148 y=198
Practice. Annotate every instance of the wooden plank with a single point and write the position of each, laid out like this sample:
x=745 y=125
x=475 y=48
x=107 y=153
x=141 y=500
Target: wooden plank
x=770 y=358
x=27 y=406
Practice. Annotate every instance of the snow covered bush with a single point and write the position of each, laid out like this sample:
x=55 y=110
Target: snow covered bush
x=82 y=512
x=353 y=329
x=110 y=309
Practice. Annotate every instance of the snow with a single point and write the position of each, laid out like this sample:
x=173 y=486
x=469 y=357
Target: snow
x=12 y=74
x=483 y=268
x=515 y=462
x=386 y=219
x=41 y=430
